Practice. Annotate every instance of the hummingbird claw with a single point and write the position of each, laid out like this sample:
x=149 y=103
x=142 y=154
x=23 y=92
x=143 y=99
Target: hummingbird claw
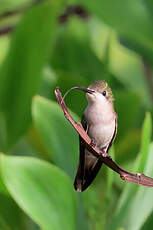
x=104 y=154
x=93 y=143
x=109 y=157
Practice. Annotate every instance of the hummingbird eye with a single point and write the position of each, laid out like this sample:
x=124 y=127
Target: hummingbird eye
x=104 y=93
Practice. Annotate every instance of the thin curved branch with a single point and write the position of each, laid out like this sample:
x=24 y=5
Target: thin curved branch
x=124 y=175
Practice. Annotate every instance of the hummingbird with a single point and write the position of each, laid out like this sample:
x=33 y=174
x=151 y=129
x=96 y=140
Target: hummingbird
x=99 y=120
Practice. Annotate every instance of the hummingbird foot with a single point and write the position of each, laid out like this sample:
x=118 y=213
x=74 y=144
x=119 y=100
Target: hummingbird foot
x=93 y=143
x=104 y=154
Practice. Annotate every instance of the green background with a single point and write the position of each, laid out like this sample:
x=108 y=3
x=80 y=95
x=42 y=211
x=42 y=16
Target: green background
x=51 y=45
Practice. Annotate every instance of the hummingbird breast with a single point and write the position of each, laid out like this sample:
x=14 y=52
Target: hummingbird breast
x=101 y=124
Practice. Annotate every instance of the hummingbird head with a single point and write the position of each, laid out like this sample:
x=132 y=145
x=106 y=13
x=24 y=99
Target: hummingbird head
x=102 y=92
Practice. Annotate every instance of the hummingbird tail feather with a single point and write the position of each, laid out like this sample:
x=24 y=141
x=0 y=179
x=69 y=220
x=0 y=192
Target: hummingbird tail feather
x=84 y=178
x=78 y=186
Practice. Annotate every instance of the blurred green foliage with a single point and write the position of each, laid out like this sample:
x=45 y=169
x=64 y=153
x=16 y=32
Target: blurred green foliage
x=106 y=40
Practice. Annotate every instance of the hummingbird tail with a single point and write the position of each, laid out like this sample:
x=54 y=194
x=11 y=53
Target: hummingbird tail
x=78 y=186
x=84 y=178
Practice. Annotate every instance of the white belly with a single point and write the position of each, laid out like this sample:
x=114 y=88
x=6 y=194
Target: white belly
x=102 y=133
x=101 y=123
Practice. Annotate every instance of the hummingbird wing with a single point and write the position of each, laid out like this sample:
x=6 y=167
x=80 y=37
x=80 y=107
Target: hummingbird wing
x=115 y=132
x=88 y=166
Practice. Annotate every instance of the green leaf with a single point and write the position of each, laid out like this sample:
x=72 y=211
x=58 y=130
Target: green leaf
x=79 y=57
x=61 y=141
x=130 y=19
x=128 y=146
x=127 y=66
x=10 y=214
x=130 y=191
x=4 y=45
x=57 y=134
x=148 y=223
x=137 y=27
x=3 y=188
x=20 y=74
x=149 y=5
x=3 y=133
x=137 y=206
x=110 y=176
x=42 y=190
x=127 y=106
x=8 y=5
x=145 y=142
x=142 y=204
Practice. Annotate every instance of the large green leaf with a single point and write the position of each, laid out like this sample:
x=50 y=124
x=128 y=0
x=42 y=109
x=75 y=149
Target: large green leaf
x=61 y=141
x=20 y=74
x=137 y=205
x=130 y=192
x=142 y=204
x=42 y=190
x=58 y=136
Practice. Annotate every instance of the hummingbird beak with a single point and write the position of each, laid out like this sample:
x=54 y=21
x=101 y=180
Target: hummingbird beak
x=85 y=89
x=80 y=88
